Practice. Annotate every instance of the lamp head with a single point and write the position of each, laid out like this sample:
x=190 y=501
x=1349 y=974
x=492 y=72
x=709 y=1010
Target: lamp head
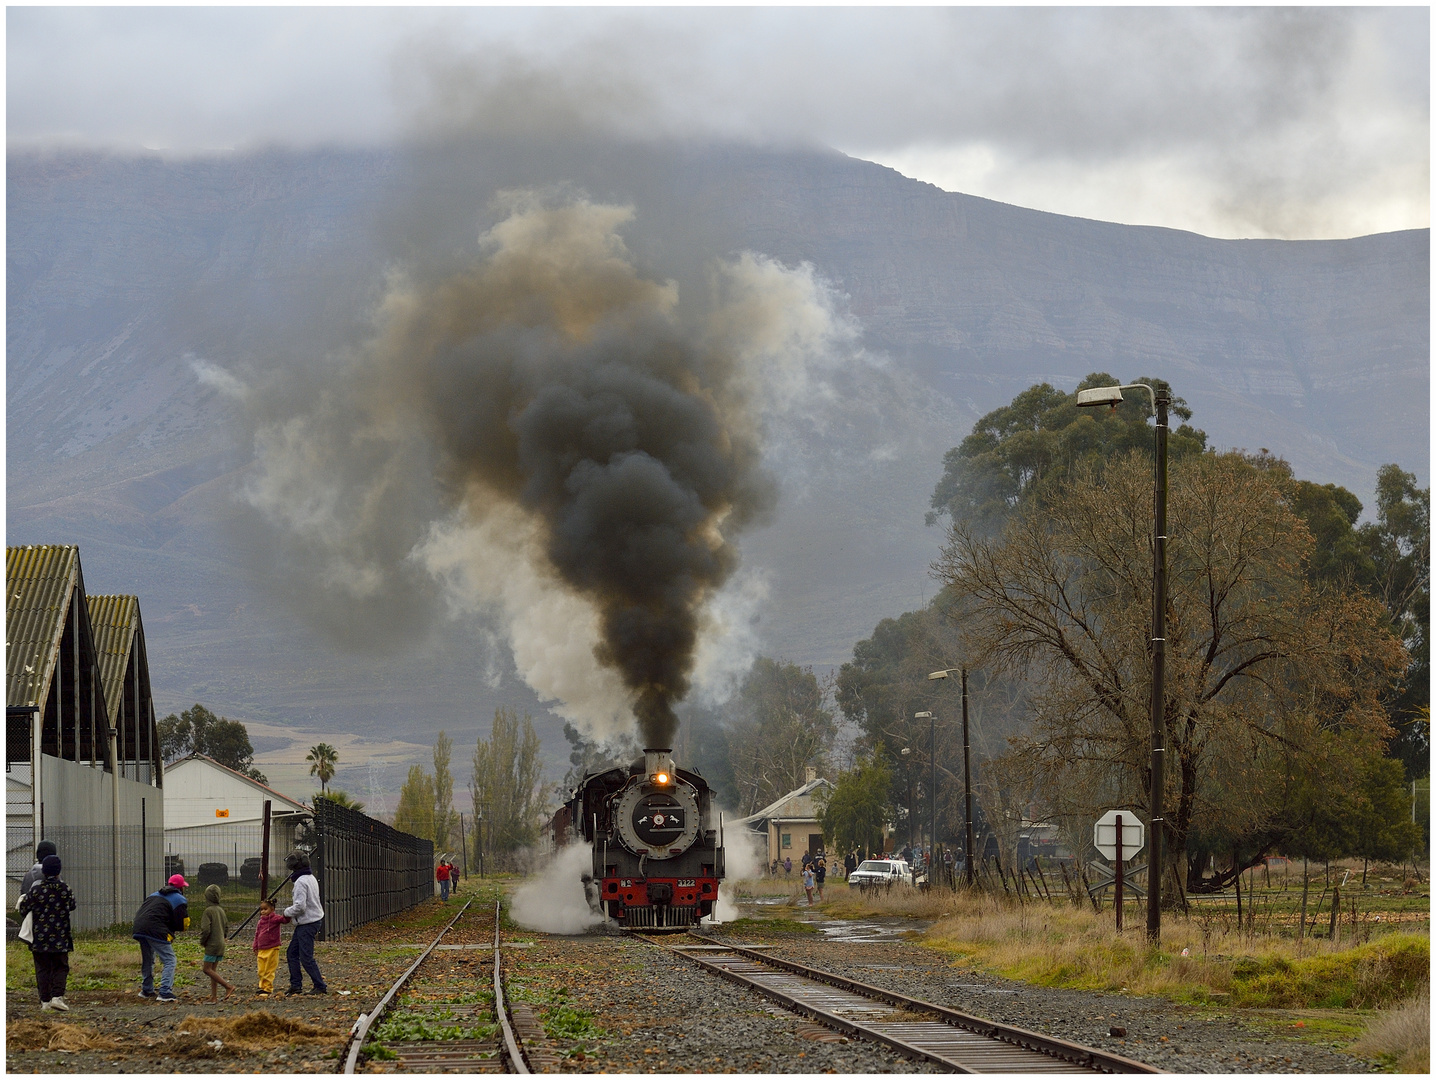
x=922 y=716
x=1099 y=395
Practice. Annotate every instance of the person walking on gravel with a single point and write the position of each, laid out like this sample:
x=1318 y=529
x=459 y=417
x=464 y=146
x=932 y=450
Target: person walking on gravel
x=308 y=916
x=163 y=914
x=266 y=945
x=212 y=927
x=49 y=903
x=442 y=873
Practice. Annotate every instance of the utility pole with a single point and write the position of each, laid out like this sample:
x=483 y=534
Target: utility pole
x=1161 y=399
x=966 y=782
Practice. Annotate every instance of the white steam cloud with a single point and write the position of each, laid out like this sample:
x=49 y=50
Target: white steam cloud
x=553 y=901
x=548 y=440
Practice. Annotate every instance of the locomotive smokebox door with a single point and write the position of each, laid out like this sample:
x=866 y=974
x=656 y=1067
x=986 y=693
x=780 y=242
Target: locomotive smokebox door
x=658 y=821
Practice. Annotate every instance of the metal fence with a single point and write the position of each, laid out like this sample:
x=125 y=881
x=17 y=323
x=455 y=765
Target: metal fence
x=229 y=855
x=366 y=869
x=87 y=857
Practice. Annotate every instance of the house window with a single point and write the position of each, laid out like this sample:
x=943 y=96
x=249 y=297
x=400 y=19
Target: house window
x=787 y=839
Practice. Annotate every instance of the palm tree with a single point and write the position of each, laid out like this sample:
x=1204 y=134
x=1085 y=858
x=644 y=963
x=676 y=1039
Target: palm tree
x=324 y=758
x=342 y=798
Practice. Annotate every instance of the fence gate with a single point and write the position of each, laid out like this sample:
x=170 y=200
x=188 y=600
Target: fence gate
x=366 y=869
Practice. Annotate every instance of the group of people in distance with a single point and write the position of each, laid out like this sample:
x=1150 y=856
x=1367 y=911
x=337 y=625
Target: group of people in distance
x=813 y=869
x=448 y=876
x=48 y=900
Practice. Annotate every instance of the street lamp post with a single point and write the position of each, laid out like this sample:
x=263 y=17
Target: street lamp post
x=931 y=787
x=907 y=764
x=966 y=773
x=1161 y=399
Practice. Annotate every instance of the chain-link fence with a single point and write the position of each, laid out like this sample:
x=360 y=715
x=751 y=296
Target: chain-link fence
x=230 y=856
x=104 y=896
x=366 y=869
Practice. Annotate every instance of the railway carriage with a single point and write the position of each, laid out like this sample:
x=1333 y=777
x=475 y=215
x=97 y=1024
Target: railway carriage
x=657 y=840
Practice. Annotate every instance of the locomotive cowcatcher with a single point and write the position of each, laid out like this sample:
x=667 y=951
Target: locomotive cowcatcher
x=657 y=842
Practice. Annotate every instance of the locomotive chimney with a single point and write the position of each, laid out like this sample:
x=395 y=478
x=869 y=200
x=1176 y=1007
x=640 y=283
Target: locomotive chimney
x=658 y=764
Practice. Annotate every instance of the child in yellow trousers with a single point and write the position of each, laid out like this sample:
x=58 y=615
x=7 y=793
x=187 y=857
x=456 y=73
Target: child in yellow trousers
x=266 y=946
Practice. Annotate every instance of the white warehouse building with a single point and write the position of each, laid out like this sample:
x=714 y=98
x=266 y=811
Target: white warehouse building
x=213 y=818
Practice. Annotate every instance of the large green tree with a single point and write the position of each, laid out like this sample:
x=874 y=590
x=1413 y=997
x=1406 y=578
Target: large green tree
x=415 y=813
x=885 y=684
x=859 y=807
x=780 y=726
x=445 y=818
x=199 y=731
x=506 y=784
x=1026 y=448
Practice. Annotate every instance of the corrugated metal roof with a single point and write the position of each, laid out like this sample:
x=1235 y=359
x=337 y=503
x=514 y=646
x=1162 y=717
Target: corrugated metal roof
x=38 y=583
x=113 y=621
x=771 y=810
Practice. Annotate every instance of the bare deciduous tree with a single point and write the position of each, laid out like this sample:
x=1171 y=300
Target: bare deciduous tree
x=1259 y=658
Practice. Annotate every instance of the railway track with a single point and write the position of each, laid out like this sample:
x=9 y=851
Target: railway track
x=918 y=1029
x=445 y=991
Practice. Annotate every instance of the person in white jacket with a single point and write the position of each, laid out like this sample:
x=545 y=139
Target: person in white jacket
x=308 y=916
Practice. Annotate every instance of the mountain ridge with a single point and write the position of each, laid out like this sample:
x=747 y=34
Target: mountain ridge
x=124 y=273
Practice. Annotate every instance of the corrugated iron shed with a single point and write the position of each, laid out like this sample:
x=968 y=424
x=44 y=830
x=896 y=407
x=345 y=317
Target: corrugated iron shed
x=39 y=581
x=115 y=621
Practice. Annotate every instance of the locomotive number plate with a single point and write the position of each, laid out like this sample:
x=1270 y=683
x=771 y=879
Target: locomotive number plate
x=686 y=883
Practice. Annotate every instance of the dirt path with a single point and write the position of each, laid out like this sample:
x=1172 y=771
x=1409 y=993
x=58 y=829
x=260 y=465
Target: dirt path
x=113 y=1030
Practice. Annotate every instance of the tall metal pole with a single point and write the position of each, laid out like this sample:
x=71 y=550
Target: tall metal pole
x=966 y=781
x=264 y=851
x=932 y=792
x=1161 y=399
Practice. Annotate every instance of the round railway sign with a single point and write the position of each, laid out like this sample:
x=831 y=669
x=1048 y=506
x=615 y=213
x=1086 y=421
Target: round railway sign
x=1104 y=834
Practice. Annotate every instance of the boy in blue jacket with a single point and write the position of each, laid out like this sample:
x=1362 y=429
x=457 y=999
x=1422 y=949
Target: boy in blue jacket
x=162 y=915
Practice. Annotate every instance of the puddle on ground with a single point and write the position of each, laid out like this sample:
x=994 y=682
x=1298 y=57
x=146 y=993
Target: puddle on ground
x=851 y=930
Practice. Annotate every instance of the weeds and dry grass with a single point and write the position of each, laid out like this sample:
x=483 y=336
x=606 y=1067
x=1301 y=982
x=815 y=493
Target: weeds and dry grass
x=100 y=964
x=55 y=1035
x=898 y=901
x=1401 y=1036
x=1061 y=945
x=261 y=1030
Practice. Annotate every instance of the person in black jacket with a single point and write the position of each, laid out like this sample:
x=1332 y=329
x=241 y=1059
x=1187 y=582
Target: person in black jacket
x=35 y=874
x=162 y=915
x=50 y=902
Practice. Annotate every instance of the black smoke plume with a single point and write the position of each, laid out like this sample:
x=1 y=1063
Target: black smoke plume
x=550 y=397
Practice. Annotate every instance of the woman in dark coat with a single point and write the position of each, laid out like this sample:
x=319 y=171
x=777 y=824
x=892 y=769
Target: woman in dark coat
x=50 y=902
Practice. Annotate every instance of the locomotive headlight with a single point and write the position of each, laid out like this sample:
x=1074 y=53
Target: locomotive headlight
x=660 y=778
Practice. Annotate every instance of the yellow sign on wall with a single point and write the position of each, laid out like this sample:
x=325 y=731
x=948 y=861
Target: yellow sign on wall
x=221 y=813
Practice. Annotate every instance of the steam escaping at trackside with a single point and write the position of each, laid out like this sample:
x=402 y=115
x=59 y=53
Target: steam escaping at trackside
x=548 y=435
x=553 y=900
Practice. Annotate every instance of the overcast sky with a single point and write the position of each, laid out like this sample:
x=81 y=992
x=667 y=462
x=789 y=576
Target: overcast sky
x=1231 y=122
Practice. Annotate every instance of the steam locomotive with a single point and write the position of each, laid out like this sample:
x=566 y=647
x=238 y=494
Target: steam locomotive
x=657 y=842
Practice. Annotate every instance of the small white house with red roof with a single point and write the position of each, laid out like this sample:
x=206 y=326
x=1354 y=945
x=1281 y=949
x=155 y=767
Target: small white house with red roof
x=214 y=815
